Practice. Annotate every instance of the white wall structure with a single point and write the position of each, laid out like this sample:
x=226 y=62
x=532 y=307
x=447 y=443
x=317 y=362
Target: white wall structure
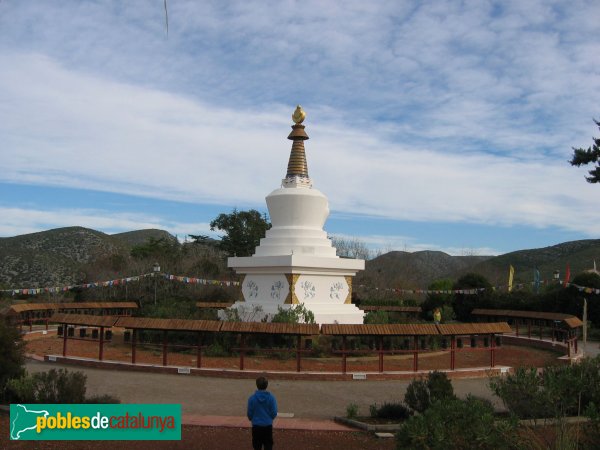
x=295 y=262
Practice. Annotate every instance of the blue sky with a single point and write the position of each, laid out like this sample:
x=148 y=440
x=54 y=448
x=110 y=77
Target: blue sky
x=433 y=125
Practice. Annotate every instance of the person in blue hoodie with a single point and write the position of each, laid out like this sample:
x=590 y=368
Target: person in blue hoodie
x=262 y=409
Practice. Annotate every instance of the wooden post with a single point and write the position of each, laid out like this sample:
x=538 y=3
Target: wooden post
x=344 y=354
x=199 y=355
x=492 y=351
x=529 y=328
x=65 y=327
x=452 y=352
x=242 y=351
x=380 y=354
x=298 y=354
x=517 y=325
x=46 y=323
x=164 y=362
x=101 y=344
x=553 y=330
x=415 y=354
x=575 y=341
x=133 y=339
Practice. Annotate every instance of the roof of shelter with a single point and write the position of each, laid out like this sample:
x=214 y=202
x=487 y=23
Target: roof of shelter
x=22 y=307
x=215 y=305
x=416 y=309
x=271 y=328
x=570 y=320
x=378 y=330
x=473 y=328
x=148 y=323
x=84 y=319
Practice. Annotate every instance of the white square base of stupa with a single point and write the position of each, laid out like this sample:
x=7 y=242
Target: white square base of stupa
x=321 y=284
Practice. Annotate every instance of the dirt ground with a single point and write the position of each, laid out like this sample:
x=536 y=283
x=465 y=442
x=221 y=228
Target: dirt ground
x=116 y=350
x=208 y=438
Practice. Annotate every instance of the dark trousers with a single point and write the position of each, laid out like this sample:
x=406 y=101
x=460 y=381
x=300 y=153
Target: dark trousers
x=262 y=436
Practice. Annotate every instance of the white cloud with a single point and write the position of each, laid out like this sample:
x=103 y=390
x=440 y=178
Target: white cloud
x=441 y=111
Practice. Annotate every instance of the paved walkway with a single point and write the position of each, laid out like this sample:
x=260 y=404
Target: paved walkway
x=206 y=396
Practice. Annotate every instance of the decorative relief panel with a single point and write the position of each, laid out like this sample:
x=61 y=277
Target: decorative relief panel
x=265 y=288
x=321 y=289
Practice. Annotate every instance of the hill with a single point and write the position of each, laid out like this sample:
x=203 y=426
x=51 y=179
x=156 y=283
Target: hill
x=415 y=270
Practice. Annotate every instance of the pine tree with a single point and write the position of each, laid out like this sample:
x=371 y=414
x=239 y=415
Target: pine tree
x=590 y=155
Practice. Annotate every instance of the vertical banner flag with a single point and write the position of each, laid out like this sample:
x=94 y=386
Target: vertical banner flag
x=511 y=274
x=567 y=276
x=536 y=280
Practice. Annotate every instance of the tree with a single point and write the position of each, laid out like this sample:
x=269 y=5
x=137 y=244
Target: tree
x=351 y=248
x=11 y=354
x=243 y=231
x=434 y=300
x=586 y=156
x=465 y=303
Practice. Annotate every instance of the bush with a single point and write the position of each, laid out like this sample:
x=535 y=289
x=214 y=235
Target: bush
x=351 y=410
x=11 y=354
x=54 y=386
x=421 y=393
x=460 y=424
x=393 y=411
x=216 y=349
x=295 y=314
x=102 y=399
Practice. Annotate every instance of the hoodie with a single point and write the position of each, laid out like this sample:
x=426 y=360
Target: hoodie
x=262 y=408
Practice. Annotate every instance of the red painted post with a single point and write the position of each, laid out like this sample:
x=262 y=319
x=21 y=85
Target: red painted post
x=298 y=349
x=380 y=354
x=101 y=344
x=46 y=324
x=553 y=330
x=343 y=354
x=65 y=328
x=133 y=339
x=415 y=354
x=529 y=328
x=492 y=350
x=517 y=324
x=452 y=352
x=164 y=362
x=541 y=331
x=30 y=324
x=242 y=345
x=199 y=355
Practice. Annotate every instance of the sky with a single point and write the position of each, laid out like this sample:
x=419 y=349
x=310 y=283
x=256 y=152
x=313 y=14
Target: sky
x=434 y=125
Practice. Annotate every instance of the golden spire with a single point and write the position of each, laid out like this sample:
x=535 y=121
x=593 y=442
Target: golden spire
x=297 y=166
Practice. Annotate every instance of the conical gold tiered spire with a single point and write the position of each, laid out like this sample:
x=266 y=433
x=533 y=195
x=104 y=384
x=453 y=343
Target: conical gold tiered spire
x=297 y=166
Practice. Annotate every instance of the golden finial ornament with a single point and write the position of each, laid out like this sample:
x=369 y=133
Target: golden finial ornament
x=299 y=115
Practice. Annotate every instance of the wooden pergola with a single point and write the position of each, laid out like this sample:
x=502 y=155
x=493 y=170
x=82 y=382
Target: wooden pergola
x=100 y=322
x=29 y=313
x=557 y=323
x=472 y=330
x=135 y=324
x=379 y=332
x=246 y=329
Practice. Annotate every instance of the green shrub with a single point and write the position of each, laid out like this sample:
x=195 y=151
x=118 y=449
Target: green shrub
x=102 y=399
x=351 y=410
x=54 y=386
x=393 y=411
x=422 y=393
x=215 y=349
x=458 y=424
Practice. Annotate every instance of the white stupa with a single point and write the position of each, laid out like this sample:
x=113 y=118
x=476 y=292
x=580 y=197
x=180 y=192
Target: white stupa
x=296 y=262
